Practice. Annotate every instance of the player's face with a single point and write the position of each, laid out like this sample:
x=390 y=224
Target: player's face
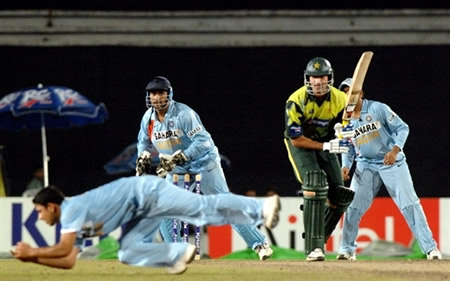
x=159 y=99
x=319 y=84
x=47 y=213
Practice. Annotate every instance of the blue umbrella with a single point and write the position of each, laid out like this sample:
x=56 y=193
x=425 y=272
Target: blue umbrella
x=44 y=107
x=125 y=161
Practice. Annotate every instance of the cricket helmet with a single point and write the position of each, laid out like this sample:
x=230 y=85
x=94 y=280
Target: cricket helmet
x=318 y=67
x=158 y=83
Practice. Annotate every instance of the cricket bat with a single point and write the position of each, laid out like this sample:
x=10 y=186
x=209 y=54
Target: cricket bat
x=356 y=86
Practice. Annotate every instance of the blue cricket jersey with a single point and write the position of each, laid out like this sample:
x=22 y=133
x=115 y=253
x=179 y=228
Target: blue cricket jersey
x=102 y=210
x=376 y=132
x=181 y=129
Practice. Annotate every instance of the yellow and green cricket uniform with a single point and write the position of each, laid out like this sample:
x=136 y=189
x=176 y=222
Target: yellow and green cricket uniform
x=318 y=171
x=308 y=116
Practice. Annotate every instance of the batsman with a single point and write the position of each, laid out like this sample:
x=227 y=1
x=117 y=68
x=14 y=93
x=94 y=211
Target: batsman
x=311 y=116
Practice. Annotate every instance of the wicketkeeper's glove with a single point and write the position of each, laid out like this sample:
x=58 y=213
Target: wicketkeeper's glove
x=168 y=162
x=337 y=146
x=143 y=164
x=179 y=158
x=165 y=166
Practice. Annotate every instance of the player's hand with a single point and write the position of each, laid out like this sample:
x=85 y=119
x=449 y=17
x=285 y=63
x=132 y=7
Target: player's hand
x=165 y=166
x=143 y=164
x=389 y=158
x=345 y=173
x=346 y=132
x=179 y=158
x=337 y=146
x=16 y=255
x=22 y=251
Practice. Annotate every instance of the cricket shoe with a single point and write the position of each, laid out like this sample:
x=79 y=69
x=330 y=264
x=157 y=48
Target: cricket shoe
x=434 y=255
x=264 y=251
x=346 y=257
x=181 y=265
x=271 y=211
x=316 y=255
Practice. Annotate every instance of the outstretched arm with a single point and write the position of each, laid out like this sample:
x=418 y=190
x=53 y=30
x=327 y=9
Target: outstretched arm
x=61 y=255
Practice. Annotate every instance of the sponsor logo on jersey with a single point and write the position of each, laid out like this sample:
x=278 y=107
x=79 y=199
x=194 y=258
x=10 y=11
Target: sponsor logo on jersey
x=296 y=131
x=367 y=128
x=367 y=133
x=165 y=134
x=319 y=123
x=392 y=117
x=194 y=131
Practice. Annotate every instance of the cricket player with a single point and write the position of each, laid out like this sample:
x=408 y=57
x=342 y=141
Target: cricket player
x=311 y=113
x=185 y=147
x=141 y=203
x=380 y=135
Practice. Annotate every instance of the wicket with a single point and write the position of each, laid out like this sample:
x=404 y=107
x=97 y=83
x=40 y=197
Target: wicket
x=185 y=225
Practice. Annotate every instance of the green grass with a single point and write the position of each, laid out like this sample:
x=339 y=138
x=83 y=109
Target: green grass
x=289 y=254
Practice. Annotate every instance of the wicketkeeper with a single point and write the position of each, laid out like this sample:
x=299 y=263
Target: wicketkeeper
x=185 y=147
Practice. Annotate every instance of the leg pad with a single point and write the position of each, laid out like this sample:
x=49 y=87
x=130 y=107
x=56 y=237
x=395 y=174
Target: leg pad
x=315 y=190
x=343 y=198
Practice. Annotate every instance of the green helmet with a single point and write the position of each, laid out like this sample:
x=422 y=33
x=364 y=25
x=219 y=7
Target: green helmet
x=318 y=67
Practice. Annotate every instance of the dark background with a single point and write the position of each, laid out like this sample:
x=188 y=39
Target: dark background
x=238 y=92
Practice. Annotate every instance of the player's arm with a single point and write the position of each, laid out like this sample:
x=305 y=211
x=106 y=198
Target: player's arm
x=144 y=141
x=193 y=128
x=401 y=132
x=61 y=255
x=306 y=143
x=144 y=146
x=66 y=262
x=347 y=161
x=333 y=146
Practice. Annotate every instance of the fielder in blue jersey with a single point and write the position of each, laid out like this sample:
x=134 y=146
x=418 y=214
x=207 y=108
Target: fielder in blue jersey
x=185 y=147
x=139 y=203
x=380 y=135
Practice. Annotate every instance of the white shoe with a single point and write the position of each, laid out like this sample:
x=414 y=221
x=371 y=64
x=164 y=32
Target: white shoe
x=271 y=210
x=264 y=251
x=346 y=257
x=316 y=255
x=434 y=255
x=181 y=265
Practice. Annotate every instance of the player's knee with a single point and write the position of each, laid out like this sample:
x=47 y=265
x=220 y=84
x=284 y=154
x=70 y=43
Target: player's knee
x=315 y=185
x=340 y=198
x=124 y=257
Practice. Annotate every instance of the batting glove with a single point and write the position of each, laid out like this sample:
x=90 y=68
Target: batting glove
x=143 y=164
x=344 y=133
x=337 y=146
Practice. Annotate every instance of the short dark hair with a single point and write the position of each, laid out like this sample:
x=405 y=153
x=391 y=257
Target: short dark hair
x=50 y=194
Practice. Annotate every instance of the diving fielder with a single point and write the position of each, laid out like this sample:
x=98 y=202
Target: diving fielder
x=139 y=203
